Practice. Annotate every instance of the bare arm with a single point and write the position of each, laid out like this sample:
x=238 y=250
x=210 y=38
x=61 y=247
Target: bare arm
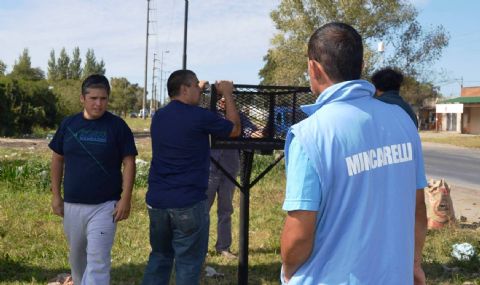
x=122 y=209
x=420 y=233
x=225 y=88
x=297 y=240
x=56 y=175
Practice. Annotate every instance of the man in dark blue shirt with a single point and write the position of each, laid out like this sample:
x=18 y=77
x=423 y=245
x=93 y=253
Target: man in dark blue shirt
x=387 y=81
x=178 y=178
x=89 y=149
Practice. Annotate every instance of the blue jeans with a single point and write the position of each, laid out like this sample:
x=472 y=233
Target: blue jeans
x=177 y=236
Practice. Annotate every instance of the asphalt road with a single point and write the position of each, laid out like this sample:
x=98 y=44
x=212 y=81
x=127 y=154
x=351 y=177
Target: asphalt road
x=459 y=166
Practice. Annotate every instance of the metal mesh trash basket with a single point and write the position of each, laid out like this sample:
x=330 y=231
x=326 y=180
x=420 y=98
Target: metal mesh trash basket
x=266 y=114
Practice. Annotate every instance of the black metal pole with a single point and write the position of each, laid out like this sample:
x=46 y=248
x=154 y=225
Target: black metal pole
x=184 y=65
x=247 y=159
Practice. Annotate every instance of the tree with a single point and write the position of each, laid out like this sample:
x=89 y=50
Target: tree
x=52 y=72
x=63 y=64
x=25 y=104
x=3 y=68
x=91 y=66
x=391 y=21
x=75 y=68
x=100 y=67
x=22 y=69
x=123 y=96
x=68 y=94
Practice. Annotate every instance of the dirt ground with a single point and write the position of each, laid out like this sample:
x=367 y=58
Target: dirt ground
x=466 y=202
x=20 y=143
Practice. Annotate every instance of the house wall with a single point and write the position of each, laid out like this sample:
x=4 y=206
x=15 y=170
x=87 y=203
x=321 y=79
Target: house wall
x=470 y=92
x=474 y=125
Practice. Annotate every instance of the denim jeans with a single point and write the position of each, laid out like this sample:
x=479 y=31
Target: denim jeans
x=178 y=237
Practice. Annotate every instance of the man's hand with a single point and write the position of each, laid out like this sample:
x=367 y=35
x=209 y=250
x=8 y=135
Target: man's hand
x=203 y=84
x=122 y=209
x=224 y=87
x=418 y=273
x=57 y=205
x=257 y=134
x=420 y=233
x=296 y=242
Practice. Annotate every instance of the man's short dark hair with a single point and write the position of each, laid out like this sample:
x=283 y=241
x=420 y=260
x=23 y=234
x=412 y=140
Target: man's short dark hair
x=387 y=79
x=95 y=81
x=177 y=79
x=339 y=49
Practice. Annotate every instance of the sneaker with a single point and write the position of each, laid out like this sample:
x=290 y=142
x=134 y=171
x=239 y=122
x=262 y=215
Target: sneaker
x=227 y=254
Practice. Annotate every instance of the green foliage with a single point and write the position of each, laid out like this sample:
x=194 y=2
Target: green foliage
x=91 y=65
x=75 y=67
x=414 y=91
x=123 y=96
x=52 y=73
x=437 y=256
x=21 y=174
x=25 y=104
x=68 y=94
x=33 y=248
x=63 y=64
x=22 y=69
x=28 y=102
x=3 y=68
x=392 y=21
x=471 y=141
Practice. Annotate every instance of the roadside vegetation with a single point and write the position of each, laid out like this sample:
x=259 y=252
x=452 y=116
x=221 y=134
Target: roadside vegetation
x=33 y=248
x=455 y=139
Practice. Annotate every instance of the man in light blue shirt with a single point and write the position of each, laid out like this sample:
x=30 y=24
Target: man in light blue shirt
x=354 y=165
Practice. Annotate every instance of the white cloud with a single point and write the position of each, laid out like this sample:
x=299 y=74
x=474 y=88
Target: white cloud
x=222 y=35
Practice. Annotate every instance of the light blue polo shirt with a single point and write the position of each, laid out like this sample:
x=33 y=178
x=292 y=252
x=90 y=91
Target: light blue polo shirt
x=357 y=162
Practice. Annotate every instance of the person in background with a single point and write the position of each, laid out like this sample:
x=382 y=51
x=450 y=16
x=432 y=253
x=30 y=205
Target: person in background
x=355 y=177
x=178 y=178
x=220 y=186
x=89 y=149
x=387 y=81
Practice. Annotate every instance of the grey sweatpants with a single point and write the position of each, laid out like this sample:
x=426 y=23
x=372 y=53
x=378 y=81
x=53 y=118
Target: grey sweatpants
x=90 y=232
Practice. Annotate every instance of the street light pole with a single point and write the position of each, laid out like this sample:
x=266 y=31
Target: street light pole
x=184 y=65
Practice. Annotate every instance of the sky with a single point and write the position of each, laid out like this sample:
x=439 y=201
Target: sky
x=226 y=39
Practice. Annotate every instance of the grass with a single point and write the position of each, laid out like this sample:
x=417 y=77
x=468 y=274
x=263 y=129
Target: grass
x=138 y=125
x=33 y=248
x=472 y=141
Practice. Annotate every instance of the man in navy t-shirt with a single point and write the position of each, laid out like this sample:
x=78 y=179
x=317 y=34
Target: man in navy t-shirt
x=178 y=179
x=387 y=81
x=89 y=149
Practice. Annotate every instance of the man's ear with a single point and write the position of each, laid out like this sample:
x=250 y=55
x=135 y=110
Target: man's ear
x=82 y=98
x=316 y=70
x=312 y=72
x=183 y=90
x=319 y=80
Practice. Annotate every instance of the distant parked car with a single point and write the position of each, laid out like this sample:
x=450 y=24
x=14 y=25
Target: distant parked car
x=143 y=111
x=133 y=115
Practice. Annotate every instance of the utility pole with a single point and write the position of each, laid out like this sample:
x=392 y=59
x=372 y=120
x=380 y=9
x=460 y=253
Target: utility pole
x=155 y=103
x=146 y=63
x=154 y=95
x=185 y=36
